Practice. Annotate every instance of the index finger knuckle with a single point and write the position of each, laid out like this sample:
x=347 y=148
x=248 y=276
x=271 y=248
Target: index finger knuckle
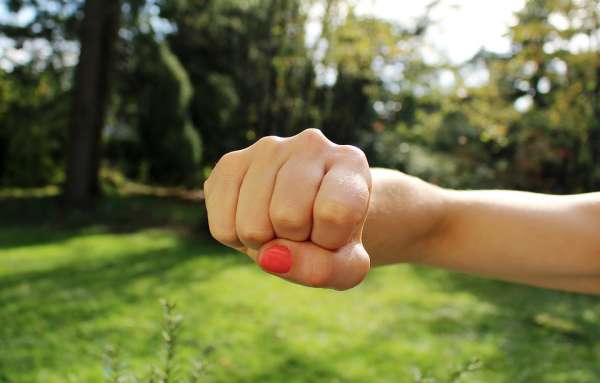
x=229 y=162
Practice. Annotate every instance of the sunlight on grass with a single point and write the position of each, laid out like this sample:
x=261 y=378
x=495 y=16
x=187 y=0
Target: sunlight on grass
x=66 y=295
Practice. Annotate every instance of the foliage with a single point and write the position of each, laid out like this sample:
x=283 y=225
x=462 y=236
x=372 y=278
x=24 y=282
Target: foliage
x=32 y=127
x=250 y=68
x=169 y=143
x=197 y=79
x=548 y=143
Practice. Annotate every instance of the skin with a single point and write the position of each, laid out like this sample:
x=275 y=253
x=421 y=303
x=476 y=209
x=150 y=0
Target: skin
x=338 y=218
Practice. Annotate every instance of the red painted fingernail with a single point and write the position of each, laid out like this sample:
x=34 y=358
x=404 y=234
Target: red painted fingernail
x=276 y=259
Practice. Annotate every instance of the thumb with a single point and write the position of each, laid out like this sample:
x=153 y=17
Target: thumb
x=308 y=264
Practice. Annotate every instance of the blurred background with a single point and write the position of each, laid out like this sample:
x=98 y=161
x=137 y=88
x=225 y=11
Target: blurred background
x=113 y=112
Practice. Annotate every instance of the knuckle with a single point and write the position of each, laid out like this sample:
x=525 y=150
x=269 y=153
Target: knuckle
x=254 y=235
x=313 y=137
x=361 y=267
x=351 y=152
x=269 y=144
x=223 y=235
x=321 y=276
x=229 y=161
x=337 y=213
x=287 y=219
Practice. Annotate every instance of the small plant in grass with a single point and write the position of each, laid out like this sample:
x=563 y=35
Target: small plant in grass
x=167 y=370
x=470 y=366
x=172 y=323
x=113 y=367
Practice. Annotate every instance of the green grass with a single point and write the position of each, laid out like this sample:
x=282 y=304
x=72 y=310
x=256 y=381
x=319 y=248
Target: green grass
x=71 y=285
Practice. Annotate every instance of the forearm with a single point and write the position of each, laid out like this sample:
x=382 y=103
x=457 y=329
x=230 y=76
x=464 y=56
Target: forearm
x=549 y=241
x=543 y=240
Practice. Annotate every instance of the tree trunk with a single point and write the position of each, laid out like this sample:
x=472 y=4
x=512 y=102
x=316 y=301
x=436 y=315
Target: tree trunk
x=90 y=97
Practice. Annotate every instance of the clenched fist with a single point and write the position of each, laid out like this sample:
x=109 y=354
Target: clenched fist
x=296 y=205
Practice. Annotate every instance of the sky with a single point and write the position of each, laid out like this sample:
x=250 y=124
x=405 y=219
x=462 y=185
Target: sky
x=461 y=27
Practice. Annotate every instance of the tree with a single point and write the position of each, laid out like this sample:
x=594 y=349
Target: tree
x=90 y=97
x=555 y=138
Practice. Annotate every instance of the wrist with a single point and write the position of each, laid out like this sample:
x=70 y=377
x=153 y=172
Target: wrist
x=406 y=218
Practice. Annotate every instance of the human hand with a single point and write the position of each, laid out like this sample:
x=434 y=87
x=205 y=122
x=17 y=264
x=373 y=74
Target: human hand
x=296 y=206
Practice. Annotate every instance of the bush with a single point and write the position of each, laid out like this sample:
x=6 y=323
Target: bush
x=170 y=144
x=153 y=138
x=33 y=120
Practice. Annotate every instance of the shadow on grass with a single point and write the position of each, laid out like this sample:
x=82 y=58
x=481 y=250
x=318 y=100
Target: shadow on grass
x=38 y=305
x=295 y=369
x=288 y=364
x=113 y=213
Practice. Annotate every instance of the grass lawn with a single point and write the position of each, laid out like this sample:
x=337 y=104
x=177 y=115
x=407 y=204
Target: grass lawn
x=70 y=285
